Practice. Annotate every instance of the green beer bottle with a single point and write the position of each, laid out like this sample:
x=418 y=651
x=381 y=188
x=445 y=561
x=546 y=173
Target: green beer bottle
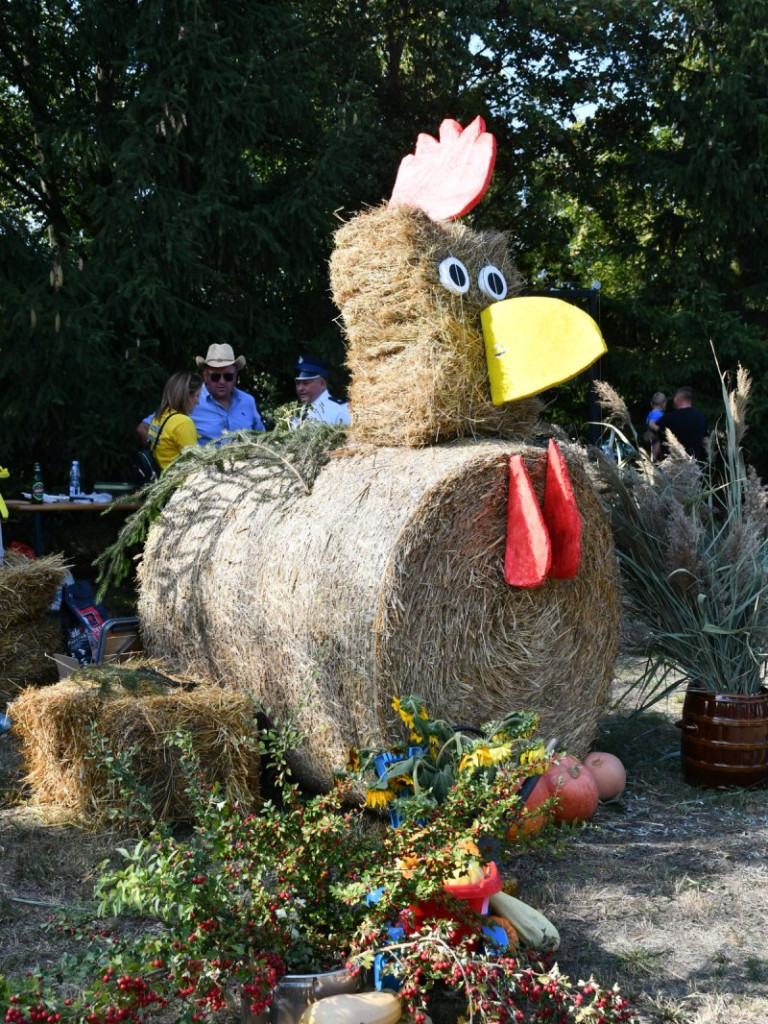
x=38 y=487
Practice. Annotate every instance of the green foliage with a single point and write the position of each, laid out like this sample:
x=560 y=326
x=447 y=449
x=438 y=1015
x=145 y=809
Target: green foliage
x=414 y=780
x=655 y=197
x=169 y=175
x=150 y=208
x=230 y=906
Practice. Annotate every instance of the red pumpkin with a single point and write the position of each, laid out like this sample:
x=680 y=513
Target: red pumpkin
x=609 y=773
x=574 y=787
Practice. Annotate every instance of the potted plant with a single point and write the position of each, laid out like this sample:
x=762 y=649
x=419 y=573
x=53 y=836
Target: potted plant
x=692 y=541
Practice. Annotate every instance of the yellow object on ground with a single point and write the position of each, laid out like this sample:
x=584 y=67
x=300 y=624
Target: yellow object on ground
x=533 y=343
x=534 y=929
x=3 y=509
x=355 y=1008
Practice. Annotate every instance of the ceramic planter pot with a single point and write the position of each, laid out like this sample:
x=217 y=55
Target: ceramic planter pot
x=295 y=992
x=724 y=739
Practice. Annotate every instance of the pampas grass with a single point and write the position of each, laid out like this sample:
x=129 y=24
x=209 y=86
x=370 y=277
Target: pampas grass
x=692 y=541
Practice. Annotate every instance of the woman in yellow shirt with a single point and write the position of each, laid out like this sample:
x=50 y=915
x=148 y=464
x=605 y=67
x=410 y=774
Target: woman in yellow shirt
x=172 y=428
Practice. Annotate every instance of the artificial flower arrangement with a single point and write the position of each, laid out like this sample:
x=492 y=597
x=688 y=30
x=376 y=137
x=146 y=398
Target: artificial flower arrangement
x=413 y=778
x=452 y=793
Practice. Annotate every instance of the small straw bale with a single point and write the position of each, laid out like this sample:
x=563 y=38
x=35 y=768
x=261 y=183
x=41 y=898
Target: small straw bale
x=59 y=727
x=27 y=587
x=386 y=579
x=405 y=329
x=23 y=650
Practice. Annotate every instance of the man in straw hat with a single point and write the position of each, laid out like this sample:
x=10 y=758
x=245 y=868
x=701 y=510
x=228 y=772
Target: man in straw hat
x=312 y=391
x=222 y=406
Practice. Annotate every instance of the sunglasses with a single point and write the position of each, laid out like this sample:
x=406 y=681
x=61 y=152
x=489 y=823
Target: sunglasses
x=216 y=377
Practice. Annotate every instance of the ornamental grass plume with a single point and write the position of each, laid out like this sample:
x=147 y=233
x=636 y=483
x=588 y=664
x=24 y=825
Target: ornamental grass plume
x=692 y=542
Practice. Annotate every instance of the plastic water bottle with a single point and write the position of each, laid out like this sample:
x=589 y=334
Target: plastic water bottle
x=38 y=488
x=74 y=480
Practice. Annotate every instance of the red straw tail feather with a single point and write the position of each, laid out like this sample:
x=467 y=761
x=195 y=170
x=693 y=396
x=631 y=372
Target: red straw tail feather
x=562 y=517
x=528 y=552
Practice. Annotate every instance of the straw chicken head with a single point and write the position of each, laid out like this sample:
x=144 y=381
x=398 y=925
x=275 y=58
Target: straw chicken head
x=431 y=311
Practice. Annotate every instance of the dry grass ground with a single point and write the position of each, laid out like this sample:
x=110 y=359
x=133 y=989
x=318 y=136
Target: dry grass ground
x=665 y=892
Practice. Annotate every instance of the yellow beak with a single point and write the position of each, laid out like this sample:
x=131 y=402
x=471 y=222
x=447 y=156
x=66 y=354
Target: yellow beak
x=533 y=343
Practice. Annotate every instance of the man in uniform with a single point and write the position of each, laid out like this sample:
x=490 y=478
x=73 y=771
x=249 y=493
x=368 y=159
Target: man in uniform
x=312 y=392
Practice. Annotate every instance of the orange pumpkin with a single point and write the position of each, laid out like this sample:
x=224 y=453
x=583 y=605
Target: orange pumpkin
x=574 y=788
x=531 y=817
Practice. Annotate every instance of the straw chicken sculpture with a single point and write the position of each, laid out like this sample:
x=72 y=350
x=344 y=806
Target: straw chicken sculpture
x=440 y=551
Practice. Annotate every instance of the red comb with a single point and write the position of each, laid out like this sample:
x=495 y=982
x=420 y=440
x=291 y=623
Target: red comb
x=446 y=179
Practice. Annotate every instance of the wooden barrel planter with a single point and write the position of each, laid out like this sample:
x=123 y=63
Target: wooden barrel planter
x=724 y=739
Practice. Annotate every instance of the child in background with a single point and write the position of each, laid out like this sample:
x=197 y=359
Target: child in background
x=651 y=436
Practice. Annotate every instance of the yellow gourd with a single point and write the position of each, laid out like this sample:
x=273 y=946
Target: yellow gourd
x=534 y=929
x=354 y=1008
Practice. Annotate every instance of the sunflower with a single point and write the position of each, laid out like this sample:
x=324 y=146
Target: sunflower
x=500 y=752
x=406 y=716
x=534 y=755
x=376 y=798
x=353 y=759
x=479 y=757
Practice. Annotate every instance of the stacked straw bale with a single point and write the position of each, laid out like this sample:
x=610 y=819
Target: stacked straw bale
x=55 y=726
x=407 y=333
x=386 y=579
x=27 y=631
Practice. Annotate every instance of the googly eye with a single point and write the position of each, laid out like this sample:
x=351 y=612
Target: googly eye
x=453 y=275
x=491 y=281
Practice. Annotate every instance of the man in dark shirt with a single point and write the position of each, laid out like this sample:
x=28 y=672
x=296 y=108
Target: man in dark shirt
x=687 y=424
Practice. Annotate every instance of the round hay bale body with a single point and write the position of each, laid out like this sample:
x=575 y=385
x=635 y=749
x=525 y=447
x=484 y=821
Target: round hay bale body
x=386 y=579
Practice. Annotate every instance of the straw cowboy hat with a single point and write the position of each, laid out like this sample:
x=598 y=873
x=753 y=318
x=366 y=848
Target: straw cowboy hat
x=220 y=355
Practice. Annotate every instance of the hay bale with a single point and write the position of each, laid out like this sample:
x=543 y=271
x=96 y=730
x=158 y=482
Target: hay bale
x=24 y=647
x=404 y=328
x=27 y=588
x=386 y=579
x=55 y=728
